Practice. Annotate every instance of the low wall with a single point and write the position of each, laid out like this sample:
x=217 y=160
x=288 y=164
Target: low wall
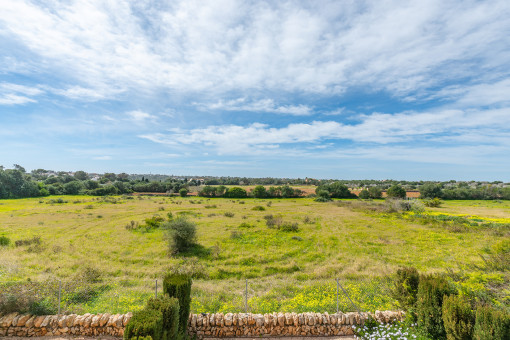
x=204 y=325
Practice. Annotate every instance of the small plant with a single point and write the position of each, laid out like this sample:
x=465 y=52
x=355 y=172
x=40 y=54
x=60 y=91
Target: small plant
x=161 y=208
x=235 y=235
x=228 y=214
x=246 y=225
x=258 y=208
x=90 y=206
x=394 y=331
x=27 y=242
x=4 y=241
x=133 y=225
x=433 y=202
x=307 y=220
x=289 y=227
x=210 y=206
x=269 y=204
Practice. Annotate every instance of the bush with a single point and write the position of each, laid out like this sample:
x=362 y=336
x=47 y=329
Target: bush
x=289 y=227
x=183 y=192
x=236 y=192
x=406 y=287
x=364 y=194
x=375 y=192
x=433 y=202
x=431 y=291
x=169 y=307
x=228 y=214
x=491 y=324
x=4 y=241
x=258 y=208
x=458 y=318
x=179 y=286
x=147 y=322
x=182 y=234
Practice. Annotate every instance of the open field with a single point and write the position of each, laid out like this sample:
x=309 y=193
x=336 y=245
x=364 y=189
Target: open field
x=86 y=239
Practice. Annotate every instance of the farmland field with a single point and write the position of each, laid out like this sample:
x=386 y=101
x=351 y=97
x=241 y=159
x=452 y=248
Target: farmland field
x=86 y=239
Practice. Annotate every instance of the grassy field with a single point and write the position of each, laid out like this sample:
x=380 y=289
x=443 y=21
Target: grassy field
x=86 y=239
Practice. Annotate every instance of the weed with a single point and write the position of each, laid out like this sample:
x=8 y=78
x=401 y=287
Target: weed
x=228 y=214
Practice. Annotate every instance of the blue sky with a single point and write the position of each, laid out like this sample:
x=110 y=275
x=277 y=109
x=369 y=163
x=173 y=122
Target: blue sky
x=340 y=89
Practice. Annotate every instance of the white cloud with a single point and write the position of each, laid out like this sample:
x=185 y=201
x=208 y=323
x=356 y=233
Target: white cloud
x=13 y=99
x=80 y=93
x=102 y=158
x=224 y=46
x=262 y=105
x=378 y=128
x=140 y=116
x=15 y=94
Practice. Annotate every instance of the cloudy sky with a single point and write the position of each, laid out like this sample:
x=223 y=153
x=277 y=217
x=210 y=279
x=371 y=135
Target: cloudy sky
x=340 y=89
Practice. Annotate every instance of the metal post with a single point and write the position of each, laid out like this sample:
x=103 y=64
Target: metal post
x=337 y=283
x=156 y=288
x=246 y=297
x=59 y=293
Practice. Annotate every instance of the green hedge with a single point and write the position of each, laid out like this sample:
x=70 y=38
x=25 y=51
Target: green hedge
x=169 y=307
x=431 y=291
x=491 y=324
x=147 y=322
x=159 y=320
x=458 y=318
x=179 y=286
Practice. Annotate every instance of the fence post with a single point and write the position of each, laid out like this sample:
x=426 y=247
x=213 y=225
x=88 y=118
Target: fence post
x=337 y=295
x=156 y=288
x=246 y=297
x=59 y=293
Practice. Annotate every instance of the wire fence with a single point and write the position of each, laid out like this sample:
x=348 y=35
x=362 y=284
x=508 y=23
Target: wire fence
x=261 y=295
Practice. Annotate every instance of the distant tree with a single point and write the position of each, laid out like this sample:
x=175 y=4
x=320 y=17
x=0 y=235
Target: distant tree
x=111 y=177
x=19 y=168
x=182 y=234
x=375 y=192
x=123 y=177
x=336 y=190
x=236 y=192
x=431 y=190
x=90 y=184
x=259 y=192
x=220 y=191
x=364 y=194
x=183 y=192
x=396 y=191
x=73 y=188
x=81 y=175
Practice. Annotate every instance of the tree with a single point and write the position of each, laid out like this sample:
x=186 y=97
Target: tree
x=81 y=175
x=431 y=190
x=182 y=234
x=364 y=194
x=259 y=192
x=183 y=192
x=396 y=191
x=73 y=188
x=375 y=192
x=236 y=192
x=336 y=190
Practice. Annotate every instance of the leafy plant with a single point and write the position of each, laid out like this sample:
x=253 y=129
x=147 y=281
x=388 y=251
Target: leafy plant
x=491 y=324
x=458 y=318
x=182 y=234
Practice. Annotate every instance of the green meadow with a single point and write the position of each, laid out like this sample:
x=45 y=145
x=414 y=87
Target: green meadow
x=87 y=239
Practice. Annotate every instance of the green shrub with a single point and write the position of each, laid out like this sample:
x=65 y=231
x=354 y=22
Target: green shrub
x=258 y=208
x=289 y=227
x=182 y=234
x=491 y=324
x=406 y=287
x=169 y=307
x=236 y=192
x=433 y=202
x=431 y=291
x=458 y=318
x=4 y=241
x=183 y=192
x=364 y=194
x=228 y=214
x=179 y=286
x=147 y=322
x=396 y=191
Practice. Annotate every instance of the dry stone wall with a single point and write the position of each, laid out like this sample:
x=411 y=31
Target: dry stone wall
x=203 y=325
